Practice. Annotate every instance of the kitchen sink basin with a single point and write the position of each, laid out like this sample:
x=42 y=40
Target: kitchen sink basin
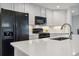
x=59 y=38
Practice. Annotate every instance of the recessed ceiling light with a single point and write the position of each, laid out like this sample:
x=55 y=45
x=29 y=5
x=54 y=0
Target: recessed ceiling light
x=73 y=11
x=58 y=6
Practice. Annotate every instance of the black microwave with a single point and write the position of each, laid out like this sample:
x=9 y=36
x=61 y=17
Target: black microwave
x=40 y=20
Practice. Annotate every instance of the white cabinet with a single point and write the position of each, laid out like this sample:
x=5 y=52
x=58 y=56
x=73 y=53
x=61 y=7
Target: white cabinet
x=8 y=6
x=43 y=12
x=31 y=15
x=27 y=8
x=13 y=6
x=19 y=7
x=33 y=11
x=49 y=16
x=33 y=36
x=56 y=17
x=59 y=17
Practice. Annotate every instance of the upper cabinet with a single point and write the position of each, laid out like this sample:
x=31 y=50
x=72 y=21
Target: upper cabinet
x=49 y=16
x=8 y=6
x=27 y=8
x=19 y=7
x=13 y=6
x=43 y=12
x=56 y=17
x=33 y=11
x=59 y=17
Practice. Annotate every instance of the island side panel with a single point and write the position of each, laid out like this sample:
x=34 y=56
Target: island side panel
x=18 y=52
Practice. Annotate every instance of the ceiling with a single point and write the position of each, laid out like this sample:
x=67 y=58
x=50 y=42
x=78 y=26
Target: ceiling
x=54 y=5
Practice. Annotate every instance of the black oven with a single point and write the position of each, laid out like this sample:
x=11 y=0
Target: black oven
x=44 y=35
x=37 y=30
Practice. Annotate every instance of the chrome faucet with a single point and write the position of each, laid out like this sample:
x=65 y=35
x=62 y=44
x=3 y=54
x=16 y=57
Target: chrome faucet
x=70 y=34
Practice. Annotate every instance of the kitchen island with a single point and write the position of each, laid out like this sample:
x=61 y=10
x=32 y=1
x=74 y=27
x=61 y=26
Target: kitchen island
x=47 y=47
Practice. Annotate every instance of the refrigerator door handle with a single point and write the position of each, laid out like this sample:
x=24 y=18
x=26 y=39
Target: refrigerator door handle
x=14 y=33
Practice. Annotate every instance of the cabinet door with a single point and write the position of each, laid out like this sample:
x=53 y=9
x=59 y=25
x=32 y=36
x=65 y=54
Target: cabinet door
x=8 y=6
x=19 y=7
x=59 y=17
x=27 y=8
x=43 y=12
x=33 y=11
x=49 y=16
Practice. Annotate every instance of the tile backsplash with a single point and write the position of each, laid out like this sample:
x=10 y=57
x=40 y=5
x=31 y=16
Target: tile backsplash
x=50 y=29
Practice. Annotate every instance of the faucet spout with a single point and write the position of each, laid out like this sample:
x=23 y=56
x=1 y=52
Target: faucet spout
x=70 y=34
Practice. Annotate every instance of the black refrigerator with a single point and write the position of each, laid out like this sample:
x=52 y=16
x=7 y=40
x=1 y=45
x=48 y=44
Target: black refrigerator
x=14 y=26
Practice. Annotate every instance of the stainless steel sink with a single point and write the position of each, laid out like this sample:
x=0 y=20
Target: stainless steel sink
x=59 y=38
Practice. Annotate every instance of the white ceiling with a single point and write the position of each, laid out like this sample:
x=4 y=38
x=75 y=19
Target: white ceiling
x=53 y=5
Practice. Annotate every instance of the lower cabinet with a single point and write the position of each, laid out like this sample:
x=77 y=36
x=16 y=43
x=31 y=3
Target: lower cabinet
x=32 y=37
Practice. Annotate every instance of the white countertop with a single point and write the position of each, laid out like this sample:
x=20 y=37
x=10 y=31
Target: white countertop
x=47 y=47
